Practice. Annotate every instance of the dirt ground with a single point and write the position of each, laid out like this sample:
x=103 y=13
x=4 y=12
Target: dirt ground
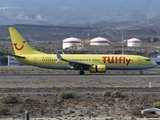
x=138 y=92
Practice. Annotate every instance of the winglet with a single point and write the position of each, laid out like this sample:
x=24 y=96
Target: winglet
x=59 y=56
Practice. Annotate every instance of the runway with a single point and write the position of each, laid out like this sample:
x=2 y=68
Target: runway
x=99 y=81
x=33 y=77
x=31 y=71
x=79 y=76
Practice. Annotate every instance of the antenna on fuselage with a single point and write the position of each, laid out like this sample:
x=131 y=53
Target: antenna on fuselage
x=122 y=42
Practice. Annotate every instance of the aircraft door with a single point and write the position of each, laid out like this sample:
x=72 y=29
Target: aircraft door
x=139 y=61
x=35 y=60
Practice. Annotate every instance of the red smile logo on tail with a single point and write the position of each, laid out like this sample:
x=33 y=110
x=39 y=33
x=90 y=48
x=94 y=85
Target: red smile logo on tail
x=18 y=48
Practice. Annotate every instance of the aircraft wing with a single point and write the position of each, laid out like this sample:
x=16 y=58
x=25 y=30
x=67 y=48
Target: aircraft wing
x=76 y=64
x=73 y=64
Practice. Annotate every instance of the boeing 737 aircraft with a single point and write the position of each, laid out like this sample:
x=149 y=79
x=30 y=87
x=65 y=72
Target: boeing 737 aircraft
x=94 y=63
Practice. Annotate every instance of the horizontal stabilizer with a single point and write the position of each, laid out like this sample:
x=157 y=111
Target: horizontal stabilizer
x=18 y=56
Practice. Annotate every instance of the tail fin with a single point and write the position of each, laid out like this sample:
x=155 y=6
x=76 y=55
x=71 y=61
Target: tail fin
x=20 y=46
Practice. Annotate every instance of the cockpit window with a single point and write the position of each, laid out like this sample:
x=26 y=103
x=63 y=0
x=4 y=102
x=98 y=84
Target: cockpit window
x=148 y=60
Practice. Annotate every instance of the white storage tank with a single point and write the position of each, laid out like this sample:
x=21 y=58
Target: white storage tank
x=99 y=41
x=68 y=42
x=134 y=42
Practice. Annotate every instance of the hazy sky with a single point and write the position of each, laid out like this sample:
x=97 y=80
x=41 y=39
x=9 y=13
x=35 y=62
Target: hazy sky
x=85 y=4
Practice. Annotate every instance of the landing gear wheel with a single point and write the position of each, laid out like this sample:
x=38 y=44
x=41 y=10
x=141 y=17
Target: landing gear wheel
x=124 y=71
x=141 y=72
x=81 y=72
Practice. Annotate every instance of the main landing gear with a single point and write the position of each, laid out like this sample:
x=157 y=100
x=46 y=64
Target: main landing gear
x=81 y=72
x=141 y=72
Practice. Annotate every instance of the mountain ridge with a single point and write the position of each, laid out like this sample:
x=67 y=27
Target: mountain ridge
x=76 y=12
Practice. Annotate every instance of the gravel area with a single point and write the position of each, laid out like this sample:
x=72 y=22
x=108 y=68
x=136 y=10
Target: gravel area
x=137 y=93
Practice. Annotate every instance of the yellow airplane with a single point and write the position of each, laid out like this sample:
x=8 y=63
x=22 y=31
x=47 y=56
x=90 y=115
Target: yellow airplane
x=94 y=63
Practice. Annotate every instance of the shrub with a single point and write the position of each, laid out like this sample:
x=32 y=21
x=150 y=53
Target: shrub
x=66 y=94
x=106 y=93
x=27 y=99
x=116 y=93
x=7 y=99
x=4 y=110
x=135 y=111
x=21 y=110
x=156 y=104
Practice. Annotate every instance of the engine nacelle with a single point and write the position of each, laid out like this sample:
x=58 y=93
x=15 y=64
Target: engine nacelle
x=97 y=69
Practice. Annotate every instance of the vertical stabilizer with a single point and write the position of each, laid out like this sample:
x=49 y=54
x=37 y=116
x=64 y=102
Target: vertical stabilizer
x=20 y=46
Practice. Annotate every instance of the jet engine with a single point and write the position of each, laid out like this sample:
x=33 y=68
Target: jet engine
x=97 y=69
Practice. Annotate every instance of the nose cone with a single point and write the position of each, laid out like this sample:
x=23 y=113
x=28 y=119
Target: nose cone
x=154 y=64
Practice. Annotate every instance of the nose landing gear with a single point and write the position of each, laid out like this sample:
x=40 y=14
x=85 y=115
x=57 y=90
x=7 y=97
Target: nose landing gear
x=81 y=72
x=141 y=72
